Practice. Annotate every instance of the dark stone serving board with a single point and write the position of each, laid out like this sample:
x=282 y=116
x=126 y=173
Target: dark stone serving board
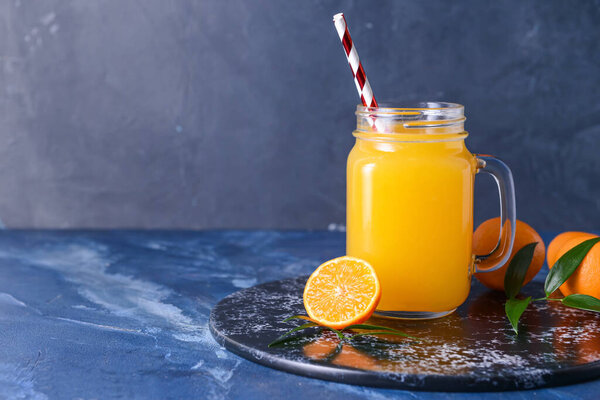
x=473 y=349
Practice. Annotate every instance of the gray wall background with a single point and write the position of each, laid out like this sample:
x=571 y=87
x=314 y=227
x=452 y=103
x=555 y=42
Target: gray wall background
x=218 y=114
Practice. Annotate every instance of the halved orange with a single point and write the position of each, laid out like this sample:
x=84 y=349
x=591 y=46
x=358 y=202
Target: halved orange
x=342 y=292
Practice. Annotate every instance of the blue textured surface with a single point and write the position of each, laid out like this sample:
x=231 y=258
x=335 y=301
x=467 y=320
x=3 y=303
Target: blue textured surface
x=162 y=113
x=124 y=314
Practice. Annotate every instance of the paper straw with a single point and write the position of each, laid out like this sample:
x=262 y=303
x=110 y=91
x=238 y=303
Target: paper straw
x=360 y=78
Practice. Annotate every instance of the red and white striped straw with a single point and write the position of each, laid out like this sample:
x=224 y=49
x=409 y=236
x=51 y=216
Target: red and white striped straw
x=360 y=78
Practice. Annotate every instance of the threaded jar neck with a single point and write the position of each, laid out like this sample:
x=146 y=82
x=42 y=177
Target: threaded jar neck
x=426 y=121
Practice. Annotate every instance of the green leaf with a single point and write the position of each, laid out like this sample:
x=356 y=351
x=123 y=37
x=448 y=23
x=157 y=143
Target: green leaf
x=299 y=317
x=582 y=301
x=514 y=309
x=380 y=328
x=365 y=326
x=280 y=338
x=567 y=264
x=517 y=269
x=385 y=333
x=339 y=334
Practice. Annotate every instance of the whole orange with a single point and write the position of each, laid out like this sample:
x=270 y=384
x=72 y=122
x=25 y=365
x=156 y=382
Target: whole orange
x=485 y=239
x=559 y=241
x=586 y=278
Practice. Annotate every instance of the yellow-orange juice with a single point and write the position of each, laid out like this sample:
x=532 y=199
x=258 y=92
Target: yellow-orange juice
x=409 y=214
x=410 y=207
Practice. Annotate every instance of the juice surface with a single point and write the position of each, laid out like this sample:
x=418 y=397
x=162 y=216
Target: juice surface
x=410 y=214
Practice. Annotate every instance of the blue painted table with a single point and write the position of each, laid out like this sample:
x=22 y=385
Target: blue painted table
x=88 y=314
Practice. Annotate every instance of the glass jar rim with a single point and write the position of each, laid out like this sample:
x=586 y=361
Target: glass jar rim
x=394 y=120
x=424 y=108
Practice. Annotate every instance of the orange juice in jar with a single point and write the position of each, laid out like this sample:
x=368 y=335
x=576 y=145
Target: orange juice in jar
x=410 y=206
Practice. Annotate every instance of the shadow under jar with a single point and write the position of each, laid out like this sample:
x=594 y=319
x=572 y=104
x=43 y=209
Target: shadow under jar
x=410 y=206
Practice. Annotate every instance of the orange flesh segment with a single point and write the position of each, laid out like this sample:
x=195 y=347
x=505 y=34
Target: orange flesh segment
x=342 y=292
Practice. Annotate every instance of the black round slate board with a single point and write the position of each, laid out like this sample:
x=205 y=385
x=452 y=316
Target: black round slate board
x=473 y=349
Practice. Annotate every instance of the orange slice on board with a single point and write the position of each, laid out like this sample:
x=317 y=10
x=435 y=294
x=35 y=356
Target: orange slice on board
x=342 y=292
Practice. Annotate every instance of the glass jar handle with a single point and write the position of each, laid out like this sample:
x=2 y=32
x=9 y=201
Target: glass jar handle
x=508 y=213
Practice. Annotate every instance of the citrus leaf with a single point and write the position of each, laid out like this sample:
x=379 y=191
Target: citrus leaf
x=385 y=333
x=365 y=326
x=379 y=328
x=299 y=317
x=514 y=309
x=339 y=334
x=517 y=269
x=567 y=264
x=280 y=338
x=582 y=301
